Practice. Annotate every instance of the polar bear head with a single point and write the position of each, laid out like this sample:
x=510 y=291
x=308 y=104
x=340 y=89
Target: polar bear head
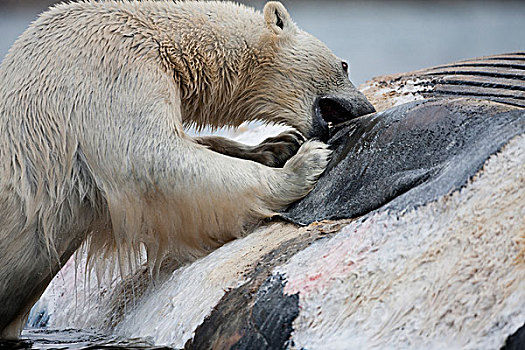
x=311 y=85
x=235 y=65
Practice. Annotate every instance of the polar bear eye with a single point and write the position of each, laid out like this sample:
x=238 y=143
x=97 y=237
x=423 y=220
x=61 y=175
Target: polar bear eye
x=345 y=66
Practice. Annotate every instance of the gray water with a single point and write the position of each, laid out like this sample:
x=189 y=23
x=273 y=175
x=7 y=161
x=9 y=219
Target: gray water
x=392 y=37
x=375 y=37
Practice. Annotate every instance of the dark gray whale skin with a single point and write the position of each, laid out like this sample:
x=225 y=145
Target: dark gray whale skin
x=407 y=156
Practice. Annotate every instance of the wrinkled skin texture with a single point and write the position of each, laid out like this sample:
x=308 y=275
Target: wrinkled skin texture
x=93 y=100
x=407 y=156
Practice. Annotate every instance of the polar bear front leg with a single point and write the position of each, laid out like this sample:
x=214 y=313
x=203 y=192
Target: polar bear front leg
x=257 y=191
x=272 y=152
x=183 y=199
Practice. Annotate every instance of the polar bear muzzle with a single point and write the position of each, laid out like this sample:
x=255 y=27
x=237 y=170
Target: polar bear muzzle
x=329 y=111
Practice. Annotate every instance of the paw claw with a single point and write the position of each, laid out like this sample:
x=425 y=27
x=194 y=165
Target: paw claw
x=276 y=150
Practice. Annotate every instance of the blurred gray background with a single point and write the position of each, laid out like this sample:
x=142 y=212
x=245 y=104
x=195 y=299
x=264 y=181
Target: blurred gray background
x=376 y=37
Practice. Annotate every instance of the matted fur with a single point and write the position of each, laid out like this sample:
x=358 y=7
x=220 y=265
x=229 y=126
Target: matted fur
x=93 y=99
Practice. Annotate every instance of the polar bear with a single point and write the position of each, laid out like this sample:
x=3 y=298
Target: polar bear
x=93 y=100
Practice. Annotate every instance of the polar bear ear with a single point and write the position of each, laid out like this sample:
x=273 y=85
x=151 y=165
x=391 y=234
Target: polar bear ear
x=276 y=17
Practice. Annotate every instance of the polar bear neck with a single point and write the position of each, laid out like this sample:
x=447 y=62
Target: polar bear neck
x=213 y=51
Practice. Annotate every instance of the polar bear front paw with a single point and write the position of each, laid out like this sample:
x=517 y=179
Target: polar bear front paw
x=275 y=151
x=307 y=165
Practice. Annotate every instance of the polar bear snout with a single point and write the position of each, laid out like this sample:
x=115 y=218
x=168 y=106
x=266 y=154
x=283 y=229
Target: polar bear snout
x=330 y=111
x=336 y=110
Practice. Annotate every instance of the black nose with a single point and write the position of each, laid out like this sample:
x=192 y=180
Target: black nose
x=336 y=110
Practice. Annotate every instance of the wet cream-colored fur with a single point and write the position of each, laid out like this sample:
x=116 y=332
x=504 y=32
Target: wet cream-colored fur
x=93 y=99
